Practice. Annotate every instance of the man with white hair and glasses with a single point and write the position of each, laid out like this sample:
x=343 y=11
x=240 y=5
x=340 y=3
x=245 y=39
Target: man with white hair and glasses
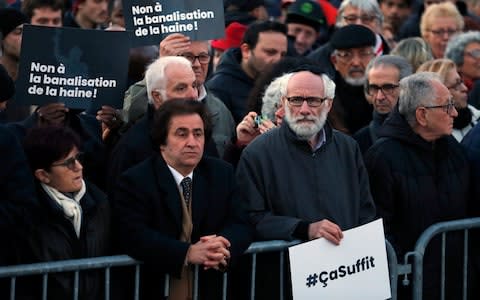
x=304 y=180
x=419 y=175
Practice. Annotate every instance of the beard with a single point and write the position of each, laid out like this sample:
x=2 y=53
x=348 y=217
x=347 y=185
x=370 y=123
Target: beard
x=356 y=81
x=305 y=131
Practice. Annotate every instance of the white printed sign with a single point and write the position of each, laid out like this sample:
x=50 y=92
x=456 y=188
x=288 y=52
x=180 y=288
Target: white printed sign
x=355 y=269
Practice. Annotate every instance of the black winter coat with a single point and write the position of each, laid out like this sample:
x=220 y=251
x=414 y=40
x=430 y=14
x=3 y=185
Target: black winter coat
x=54 y=238
x=231 y=84
x=415 y=184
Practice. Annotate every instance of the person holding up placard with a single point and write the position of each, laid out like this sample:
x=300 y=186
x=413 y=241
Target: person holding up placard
x=304 y=180
x=167 y=78
x=197 y=53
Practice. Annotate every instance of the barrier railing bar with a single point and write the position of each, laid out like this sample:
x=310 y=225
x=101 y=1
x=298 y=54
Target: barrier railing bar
x=137 y=282
x=465 y=264
x=254 y=268
x=75 y=285
x=282 y=254
x=107 y=283
x=12 y=288
x=442 y=272
x=68 y=265
x=45 y=286
x=195 y=282
x=224 y=286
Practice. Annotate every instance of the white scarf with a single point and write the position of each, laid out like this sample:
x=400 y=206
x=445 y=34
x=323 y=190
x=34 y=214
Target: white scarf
x=71 y=207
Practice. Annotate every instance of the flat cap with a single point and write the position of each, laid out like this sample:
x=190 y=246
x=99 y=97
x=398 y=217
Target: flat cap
x=352 y=36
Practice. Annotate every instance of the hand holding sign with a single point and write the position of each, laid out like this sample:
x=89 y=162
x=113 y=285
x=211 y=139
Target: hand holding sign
x=52 y=114
x=174 y=44
x=325 y=229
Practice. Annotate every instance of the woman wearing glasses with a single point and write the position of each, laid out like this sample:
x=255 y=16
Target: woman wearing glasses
x=439 y=23
x=468 y=115
x=74 y=216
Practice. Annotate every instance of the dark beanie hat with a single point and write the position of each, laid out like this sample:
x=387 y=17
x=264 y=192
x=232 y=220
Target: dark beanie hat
x=306 y=12
x=352 y=36
x=9 y=19
x=7 y=88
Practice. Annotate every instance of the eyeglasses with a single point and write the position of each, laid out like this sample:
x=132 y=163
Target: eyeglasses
x=202 y=58
x=363 y=18
x=71 y=162
x=448 y=108
x=474 y=53
x=457 y=85
x=311 y=101
x=347 y=56
x=387 y=88
x=442 y=32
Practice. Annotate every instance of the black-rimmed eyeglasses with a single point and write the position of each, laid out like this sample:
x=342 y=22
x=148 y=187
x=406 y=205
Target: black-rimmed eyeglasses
x=448 y=108
x=202 y=58
x=311 y=101
x=387 y=88
x=71 y=162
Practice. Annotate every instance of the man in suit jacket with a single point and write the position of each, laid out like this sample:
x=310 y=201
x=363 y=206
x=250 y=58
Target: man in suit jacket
x=170 y=226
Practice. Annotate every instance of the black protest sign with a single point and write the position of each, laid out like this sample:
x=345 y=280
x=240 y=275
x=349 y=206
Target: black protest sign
x=81 y=68
x=150 y=21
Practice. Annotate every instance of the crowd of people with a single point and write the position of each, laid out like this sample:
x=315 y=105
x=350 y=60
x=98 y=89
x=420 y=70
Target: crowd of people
x=308 y=118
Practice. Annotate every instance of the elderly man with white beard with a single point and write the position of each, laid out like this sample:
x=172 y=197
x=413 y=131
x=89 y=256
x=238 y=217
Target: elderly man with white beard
x=353 y=49
x=305 y=180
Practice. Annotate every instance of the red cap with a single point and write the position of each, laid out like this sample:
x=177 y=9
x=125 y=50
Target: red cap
x=233 y=37
x=286 y=3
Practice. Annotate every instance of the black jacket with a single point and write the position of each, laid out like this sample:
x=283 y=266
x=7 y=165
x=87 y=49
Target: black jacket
x=54 y=238
x=366 y=136
x=231 y=84
x=148 y=215
x=415 y=184
x=350 y=105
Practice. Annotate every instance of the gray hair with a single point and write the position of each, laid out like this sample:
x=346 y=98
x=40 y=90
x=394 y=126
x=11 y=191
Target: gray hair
x=416 y=90
x=457 y=44
x=401 y=64
x=273 y=95
x=368 y=6
x=155 y=74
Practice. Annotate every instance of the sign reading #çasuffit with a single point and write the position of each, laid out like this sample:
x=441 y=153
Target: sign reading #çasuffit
x=82 y=68
x=151 y=20
x=355 y=269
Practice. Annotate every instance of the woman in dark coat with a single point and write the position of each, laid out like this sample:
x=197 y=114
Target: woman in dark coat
x=73 y=220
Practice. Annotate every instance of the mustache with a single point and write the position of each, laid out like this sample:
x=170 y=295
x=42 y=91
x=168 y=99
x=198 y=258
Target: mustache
x=356 y=69
x=305 y=118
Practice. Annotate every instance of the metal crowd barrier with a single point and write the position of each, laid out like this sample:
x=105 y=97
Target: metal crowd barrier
x=419 y=252
x=108 y=262
x=395 y=269
x=74 y=265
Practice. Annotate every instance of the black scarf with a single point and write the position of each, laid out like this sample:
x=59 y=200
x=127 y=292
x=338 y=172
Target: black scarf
x=463 y=119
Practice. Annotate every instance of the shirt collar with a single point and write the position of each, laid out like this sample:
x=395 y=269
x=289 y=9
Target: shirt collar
x=177 y=176
x=322 y=139
x=202 y=93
